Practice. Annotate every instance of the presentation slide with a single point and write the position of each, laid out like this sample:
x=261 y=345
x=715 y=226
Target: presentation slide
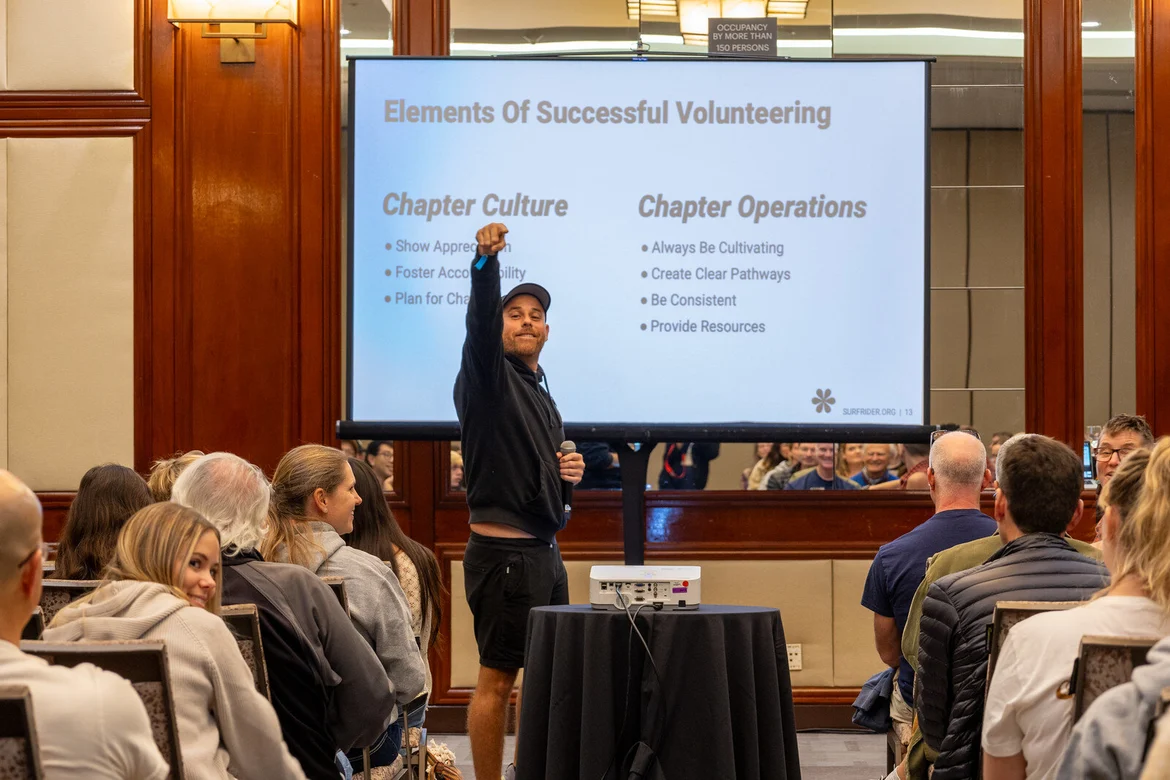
x=724 y=242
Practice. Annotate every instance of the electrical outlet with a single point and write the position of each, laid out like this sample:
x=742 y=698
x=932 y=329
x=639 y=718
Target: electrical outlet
x=795 y=658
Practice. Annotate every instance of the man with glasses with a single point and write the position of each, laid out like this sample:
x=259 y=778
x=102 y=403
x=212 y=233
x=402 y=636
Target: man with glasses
x=1121 y=436
x=90 y=724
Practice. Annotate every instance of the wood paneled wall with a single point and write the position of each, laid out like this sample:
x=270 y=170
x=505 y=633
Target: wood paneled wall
x=240 y=292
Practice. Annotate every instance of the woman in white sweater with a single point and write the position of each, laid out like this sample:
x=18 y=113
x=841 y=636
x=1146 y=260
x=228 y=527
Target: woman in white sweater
x=164 y=583
x=313 y=501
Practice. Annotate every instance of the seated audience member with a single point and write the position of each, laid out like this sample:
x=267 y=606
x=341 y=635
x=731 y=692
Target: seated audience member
x=768 y=457
x=380 y=457
x=91 y=725
x=105 y=500
x=376 y=532
x=164 y=473
x=163 y=583
x=602 y=467
x=314 y=496
x=957 y=475
x=328 y=688
x=824 y=476
x=803 y=459
x=1123 y=435
x=1038 y=497
x=456 y=475
x=997 y=440
x=685 y=465
x=877 y=466
x=850 y=460
x=351 y=448
x=915 y=457
x=1026 y=723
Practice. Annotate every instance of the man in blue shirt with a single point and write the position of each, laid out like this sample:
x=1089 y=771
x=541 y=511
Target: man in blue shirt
x=824 y=475
x=957 y=475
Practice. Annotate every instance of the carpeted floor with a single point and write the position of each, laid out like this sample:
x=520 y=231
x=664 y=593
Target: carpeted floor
x=822 y=756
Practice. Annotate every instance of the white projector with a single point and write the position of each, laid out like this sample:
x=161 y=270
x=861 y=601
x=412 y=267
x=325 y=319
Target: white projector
x=660 y=587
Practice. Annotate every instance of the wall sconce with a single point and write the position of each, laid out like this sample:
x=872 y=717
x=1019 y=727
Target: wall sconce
x=237 y=23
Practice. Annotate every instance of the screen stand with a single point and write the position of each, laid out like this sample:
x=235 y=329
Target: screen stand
x=633 y=462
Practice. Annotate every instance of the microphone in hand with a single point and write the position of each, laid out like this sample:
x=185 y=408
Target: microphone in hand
x=567 y=448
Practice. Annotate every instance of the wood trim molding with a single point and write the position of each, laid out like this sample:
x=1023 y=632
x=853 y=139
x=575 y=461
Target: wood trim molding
x=1053 y=260
x=1152 y=110
x=421 y=27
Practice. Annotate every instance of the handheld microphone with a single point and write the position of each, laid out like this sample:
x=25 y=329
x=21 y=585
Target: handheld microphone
x=567 y=448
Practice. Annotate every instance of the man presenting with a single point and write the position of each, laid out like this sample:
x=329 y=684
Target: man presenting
x=514 y=470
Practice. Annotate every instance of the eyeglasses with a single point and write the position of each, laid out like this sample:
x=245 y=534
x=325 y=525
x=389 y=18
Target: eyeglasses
x=1105 y=454
x=936 y=435
x=27 y=558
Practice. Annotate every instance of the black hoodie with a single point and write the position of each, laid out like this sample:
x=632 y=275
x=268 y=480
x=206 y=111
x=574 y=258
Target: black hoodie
x=511 y=428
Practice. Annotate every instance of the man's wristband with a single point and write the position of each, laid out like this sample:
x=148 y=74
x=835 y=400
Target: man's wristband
x=479 y=264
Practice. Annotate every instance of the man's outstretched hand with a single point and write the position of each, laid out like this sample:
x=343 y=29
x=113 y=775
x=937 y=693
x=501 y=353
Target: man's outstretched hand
x=490 y=239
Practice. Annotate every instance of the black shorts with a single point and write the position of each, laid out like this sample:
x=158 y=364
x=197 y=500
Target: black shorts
x=504 y=579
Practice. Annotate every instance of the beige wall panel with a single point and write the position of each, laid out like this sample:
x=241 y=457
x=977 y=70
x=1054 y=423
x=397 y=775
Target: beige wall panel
x=999 y=412
x=950 y=408
x=4 y=45
x=948 y=339
x=71 y=307
x=3 y=291
x=997 y=237
x=801 y=590
x=70 y=44
x=997 y=344
x=1098 y=272
x=948 y=157
x=1122 y=169
x=997 y=157
x=948 y=238
x=855 y=657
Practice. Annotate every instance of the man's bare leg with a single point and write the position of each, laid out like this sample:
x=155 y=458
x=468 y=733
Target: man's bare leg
x=516 y=747
x=487 y=718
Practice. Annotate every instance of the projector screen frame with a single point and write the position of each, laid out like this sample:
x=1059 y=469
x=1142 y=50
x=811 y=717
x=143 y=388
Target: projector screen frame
x=348 y=428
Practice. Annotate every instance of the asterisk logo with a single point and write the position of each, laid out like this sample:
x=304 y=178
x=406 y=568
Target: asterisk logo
x=824 y=401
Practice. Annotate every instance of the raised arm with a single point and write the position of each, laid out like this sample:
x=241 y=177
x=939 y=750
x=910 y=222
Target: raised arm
x=483 y=347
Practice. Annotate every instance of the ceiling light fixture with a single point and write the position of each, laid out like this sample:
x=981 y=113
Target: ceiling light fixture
x=636 y=9
x=693 y=14
x=1090 y=24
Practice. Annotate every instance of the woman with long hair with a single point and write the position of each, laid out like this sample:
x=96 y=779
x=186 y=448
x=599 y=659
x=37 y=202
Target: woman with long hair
x=164 y=472
x=314 y=496
x=377 y=532
x=106 y=498
x=850 y=460
x=1027 y=721
x=164 y=583
x=768 y=457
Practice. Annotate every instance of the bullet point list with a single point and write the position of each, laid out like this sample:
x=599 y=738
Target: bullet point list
x=643 y=274
x=643 y=326
x=387 y=271
x=643 y=300
x=389 y=246
x=644 y=247
x=388 y=301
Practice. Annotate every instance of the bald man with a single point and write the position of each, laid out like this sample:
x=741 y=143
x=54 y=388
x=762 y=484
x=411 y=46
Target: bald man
x=956 y=475
x=90 y=724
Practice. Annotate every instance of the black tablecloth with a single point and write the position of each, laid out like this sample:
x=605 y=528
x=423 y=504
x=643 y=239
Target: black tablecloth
x=724 y=708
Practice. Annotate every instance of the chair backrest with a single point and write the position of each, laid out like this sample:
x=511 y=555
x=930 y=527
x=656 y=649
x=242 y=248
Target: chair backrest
x=1105 y=662
x=58 y=594
x=35 y=627
x=338 y=586
x=20 y=757
x=1007 y=615
x=141 y=661
x=244 y=622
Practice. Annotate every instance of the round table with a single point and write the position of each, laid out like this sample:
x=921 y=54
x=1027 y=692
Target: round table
x=720 y=705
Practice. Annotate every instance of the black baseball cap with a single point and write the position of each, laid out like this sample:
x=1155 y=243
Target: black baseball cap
x=528 y=288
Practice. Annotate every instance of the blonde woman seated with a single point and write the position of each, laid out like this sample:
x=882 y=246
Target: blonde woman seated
x=164 y=583
x=314 y=495
x=1026 y=724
